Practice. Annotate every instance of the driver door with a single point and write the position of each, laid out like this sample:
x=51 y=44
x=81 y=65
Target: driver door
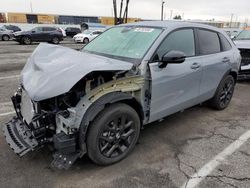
x=94 y=35
x=176 y=86
x=37 y=34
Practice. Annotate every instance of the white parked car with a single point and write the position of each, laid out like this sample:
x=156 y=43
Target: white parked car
x=86 y=36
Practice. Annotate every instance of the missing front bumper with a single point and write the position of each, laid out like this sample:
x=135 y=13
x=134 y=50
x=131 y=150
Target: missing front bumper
x=19 y=137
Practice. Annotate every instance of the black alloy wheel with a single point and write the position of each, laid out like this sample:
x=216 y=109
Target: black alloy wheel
x=113 y=134
x=224 y=93
x=116 y=136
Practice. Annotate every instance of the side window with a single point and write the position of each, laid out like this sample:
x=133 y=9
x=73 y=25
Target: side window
x=51 y=29
x=225 y=44
x=96 y=33
x=39 y=29
x=45 y=29
x=181 y=40
x=209 y=42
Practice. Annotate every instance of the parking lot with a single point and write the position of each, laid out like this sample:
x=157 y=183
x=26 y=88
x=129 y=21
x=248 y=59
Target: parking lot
x=176 y=152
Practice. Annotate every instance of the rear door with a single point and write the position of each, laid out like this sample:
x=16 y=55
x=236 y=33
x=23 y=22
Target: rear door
x=175 y=87
x=48 y=33
x=216 y=57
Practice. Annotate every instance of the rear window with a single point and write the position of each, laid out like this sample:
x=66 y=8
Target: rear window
x=225 y=44
x=209 y=42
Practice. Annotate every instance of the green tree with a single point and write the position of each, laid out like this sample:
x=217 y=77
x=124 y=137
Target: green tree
x=177 y=17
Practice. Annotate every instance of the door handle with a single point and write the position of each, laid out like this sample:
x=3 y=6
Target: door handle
x=195 y=66
x=225 y=60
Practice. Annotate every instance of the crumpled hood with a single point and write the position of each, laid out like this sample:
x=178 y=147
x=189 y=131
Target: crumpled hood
x=53 y=70
x=242 y=44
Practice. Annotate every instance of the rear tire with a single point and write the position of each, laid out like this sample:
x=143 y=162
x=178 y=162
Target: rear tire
x=55 y=40
x=26 y=40
x=224 y=93
x=5 y=38
x=113 y=134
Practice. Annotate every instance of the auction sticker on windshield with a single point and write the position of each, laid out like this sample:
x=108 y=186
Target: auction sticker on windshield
x=144 y=30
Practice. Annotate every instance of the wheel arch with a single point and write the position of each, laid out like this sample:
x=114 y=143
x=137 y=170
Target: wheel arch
x=234 y=74
x=99 y=105
x=86 y=38
x=111 y=98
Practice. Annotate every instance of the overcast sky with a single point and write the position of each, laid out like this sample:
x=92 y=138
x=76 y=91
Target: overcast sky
x=148 y=9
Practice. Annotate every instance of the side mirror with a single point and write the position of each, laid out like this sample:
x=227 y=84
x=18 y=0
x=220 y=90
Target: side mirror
x=233 y=37
x=172 y=57
x=33 y=31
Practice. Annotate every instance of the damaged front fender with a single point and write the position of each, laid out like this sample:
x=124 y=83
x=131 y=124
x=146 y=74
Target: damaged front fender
x=127 y=87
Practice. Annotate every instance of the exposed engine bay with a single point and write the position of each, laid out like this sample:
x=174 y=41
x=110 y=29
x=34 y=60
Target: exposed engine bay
x=245 y=64
x=57 y=120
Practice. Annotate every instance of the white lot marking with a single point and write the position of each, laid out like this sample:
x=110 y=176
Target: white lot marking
x=7 y=113
x=5 y=103
x=211 y=165
x=9 y=77
x=6 y=108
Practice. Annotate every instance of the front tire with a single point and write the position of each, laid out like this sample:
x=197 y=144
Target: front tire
x=85 y=41
x=5 y=38
x=224 y=93
x=113 y=134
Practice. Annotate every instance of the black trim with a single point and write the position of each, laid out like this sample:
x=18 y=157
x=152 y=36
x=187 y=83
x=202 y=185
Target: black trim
x=221 y=46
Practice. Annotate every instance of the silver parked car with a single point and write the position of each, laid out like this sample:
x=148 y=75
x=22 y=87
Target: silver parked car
x=242 y=41
x=5 y=34
x=96 y=101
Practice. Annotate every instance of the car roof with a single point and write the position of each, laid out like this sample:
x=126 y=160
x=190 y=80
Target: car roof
x=172 y=24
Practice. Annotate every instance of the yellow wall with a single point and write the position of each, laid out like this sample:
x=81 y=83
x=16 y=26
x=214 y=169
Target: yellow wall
x=2 y=18
x=46 y=19
x=110 y=20
x=16 y=18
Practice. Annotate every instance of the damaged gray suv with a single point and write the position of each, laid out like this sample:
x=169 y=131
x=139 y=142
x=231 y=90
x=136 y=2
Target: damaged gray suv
x=95 y=101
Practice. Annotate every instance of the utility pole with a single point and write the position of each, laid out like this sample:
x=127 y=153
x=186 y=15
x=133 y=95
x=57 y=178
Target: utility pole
x=162 y=9
x=120 y=19
x=171 y=14
x=31 y=8
x=115 y=12
x=231 y=20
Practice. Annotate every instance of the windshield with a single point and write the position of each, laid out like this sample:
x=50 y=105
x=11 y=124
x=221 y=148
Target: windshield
x=244 y=35
x=125 y=43
x=87 y=32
